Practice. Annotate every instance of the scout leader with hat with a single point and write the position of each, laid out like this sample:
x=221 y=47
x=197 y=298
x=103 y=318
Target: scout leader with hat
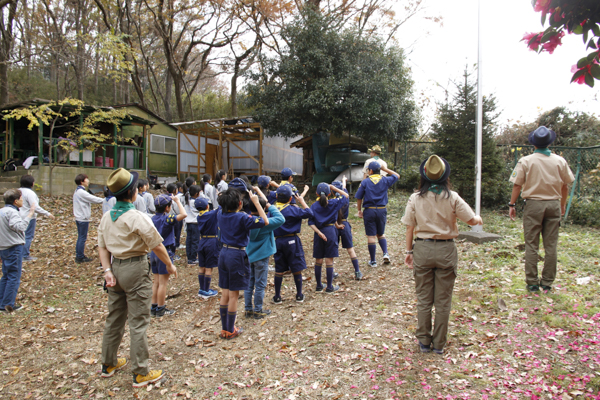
x=375 y=153
x=128 y=235
x=430 y=215
x=543 y=177
x=373 y=195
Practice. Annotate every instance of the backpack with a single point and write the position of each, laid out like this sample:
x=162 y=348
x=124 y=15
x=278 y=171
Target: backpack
x=10 y=165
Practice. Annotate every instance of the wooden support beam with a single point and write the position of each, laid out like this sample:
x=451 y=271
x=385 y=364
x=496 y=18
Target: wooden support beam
x=244 y=151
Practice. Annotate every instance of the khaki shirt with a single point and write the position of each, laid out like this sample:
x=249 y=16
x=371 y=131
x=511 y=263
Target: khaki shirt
x=542 y=177
x=434 y=217
x=133 y=234
x=379 y=160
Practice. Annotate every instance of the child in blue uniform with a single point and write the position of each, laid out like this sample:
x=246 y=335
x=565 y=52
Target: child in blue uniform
x=164 y=222
x=372 y=195
x=234 y=268
x=345 y=232
x=290 y=253
x=208 y=248
x=264 y=183
x=260 y=248
x=325 y=214
x=287 y=176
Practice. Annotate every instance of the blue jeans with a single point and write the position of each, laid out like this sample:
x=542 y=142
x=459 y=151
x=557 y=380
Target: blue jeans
x=12 y=262
x=259 y=272
x=191 y=242
x=29 y=234
x=82 y=231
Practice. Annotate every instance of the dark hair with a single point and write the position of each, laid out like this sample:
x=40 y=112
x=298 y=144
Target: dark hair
x=206 y=178
x=246 y=180
x=27 y=181
x=230 y=200
x=261 y=201
x=161 y=209
x=142 y=183
x=220 y=174
x=323 y=200
x=107 y=192
x=80 y=178
x=171 y=188
x=376 y=171
x=179 y=185
x=424 y=186
x=11 y=195
x=193 y=190
x=282 y=198
x=128 y=195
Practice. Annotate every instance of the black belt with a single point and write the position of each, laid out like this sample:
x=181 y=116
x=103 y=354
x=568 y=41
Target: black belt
x=208 y=236
x=132 y=259
x=376 y=208
x=291 y=234
x=434 y=240
x=234 y=247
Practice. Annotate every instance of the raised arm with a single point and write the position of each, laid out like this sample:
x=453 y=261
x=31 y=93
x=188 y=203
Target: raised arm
x=389 y=171
x=261 y=212
x=182 y=214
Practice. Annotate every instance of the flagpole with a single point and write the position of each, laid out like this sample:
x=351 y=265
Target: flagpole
x=479 y=136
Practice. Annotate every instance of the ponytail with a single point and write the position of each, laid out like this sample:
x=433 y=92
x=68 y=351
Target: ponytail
x=220 y=174
x=206 y=179
x=323 y=200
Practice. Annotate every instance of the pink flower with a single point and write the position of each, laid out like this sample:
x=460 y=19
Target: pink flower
x=535 y=43
x=542 y=5
x=554 y=42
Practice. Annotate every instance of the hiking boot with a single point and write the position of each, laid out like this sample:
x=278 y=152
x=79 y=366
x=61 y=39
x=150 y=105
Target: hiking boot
x=164 y=311
x=373 y=264
x=261 y=314
x=533 y=288
x=546 y=289
x=249 y=314
x=358 y=275
x=386 y=258
x=319 y=289
x=277 y=300
x=15 y=307
x=237 y=331
x=82 y=260
x=300 y=298
x=438 y=351
x=423 y=348
x=107 y=371
x=145 y=380
x=153 y=312
x=332 y=290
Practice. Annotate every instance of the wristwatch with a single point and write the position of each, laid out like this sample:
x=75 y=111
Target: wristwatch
x=107 y=269
x=512 y=204
x=409 y=251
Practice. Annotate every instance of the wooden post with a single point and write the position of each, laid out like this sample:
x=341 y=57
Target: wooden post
x=12 y=137
x=198 y=154
x=220 y=151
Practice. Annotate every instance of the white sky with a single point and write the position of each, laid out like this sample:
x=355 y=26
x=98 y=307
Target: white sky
x=525 y=83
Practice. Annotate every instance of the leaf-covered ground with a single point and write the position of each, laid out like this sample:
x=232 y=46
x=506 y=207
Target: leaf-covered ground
x=358 y=343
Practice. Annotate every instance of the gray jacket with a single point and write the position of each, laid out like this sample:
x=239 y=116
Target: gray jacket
x=82 y=204
x=12 y=227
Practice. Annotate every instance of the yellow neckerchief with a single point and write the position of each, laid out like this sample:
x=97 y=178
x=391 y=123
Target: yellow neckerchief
x=203 y=212
x=375 y=178
x=281 y=206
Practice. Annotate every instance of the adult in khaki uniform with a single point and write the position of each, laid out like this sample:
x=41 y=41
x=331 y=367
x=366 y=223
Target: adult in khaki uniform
x=430 y=219
x=543 y=178
x=375 y=153
x=128 y=235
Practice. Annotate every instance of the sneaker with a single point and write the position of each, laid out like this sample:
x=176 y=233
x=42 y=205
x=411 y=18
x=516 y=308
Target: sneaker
x=261 y=314
x=164 y=311
x=82 y=260
x=358 y=275
x=423 y=348
x=277 y=300
x=14 y=308
x=144 y=380
x=249 y=313
x=30 y=258
x=237 y=331
x=203 y=294
x=546 y=289
x=107 y=371
x=181 y=246
x=300 y=298
x=223 y=334
x=335 y=275
x=332 y=290
x=533 y=288
x=386 y=258
x=373 y=264
x=319 y=289
x=176 y=258
x=153 y=312
x=438 y=351
x=192 y=262
x=212 y=292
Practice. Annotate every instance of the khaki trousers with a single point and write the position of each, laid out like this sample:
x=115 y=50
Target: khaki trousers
x=131 y=299
x=435 y=266
x=541 y=216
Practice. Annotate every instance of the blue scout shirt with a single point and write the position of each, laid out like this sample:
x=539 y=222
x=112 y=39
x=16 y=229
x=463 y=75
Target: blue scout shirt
x=345 y=209
x=235 y=227
x=165 y=225
x=272 y=197
x=293 y=218
x=324 y=216
x=374 y=190
x=294 y=191
x=262 y=241
x=208 y=223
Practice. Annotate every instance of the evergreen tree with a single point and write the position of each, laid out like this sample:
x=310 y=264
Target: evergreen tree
x=455 y=130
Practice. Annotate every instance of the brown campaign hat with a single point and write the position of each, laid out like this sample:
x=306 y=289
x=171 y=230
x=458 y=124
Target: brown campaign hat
x=121 y=180
x=435 y=169
x=376 y=149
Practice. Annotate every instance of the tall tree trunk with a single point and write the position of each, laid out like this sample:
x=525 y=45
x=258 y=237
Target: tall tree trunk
x=6 y=49
x=168 y=95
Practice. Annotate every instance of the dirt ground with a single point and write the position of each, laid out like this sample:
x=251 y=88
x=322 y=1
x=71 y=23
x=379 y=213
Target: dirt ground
x=357 y=343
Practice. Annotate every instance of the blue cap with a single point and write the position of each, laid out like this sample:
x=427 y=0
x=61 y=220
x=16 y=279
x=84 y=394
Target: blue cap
x=201 y=203
x=323 y=188
x=285 y=190
x=338 y=185
x=238 y=184
x=542 y=137
x=374 y=165
x=263 y=181
x=162 y=200
x=287 y=172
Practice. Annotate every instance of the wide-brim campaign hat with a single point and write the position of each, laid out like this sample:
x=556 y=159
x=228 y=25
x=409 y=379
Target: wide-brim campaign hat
x=435 y=169
x=121 y=180
x=375 y=149
x=542 y=137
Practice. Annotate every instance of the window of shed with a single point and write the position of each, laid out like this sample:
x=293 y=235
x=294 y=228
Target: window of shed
x=163 y=144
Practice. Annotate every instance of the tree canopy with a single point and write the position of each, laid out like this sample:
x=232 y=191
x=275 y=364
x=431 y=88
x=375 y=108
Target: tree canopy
x=334 y=80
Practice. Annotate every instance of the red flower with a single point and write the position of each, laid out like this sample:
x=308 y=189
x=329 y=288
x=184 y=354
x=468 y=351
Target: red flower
x=587 y=69
x=534 y=45
x=542 y=5
x=554 y=42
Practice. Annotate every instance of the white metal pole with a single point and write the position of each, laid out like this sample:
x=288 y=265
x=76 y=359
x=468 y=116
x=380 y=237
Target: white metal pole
x=478 y=140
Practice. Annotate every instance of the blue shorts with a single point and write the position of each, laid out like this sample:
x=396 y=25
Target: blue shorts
x=290 y=254
x=208 y=252
x=159 y=267
x=234 y=269
x=329 y=248
x=345 y=235
x=374 y=219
